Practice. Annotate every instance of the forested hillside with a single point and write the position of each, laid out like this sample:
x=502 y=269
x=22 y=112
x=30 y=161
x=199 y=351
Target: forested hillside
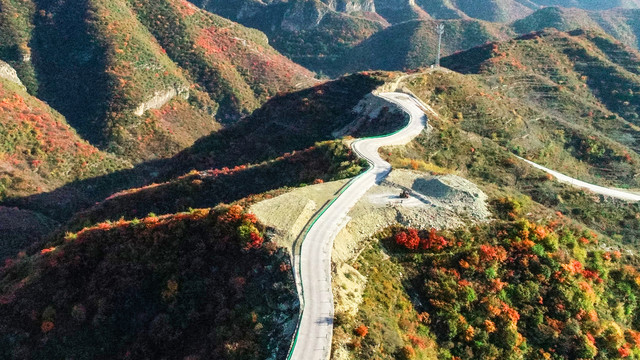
x=134 y=86
x=189 y=285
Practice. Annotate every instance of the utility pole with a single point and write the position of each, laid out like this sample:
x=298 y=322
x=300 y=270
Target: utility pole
x=440 y=31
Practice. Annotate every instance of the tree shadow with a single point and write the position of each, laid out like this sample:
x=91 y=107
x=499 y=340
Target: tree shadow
x=291 y=122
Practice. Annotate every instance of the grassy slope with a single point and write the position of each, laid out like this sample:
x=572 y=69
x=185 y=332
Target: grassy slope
x=387 y=312
x=511 y=107
x=138 y=68
x=96 y=64
x=235 y=65
x=561 y=77
x=191 y=285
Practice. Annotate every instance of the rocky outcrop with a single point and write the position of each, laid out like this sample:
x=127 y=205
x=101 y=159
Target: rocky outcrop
x=9 y=73
x=304 y=15
x=249 y=10
x=350 y=6
x=160 y=98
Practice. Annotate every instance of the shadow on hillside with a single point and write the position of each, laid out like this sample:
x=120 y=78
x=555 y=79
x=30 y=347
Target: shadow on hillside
x=61 y=203
x=70 y=66
x=291 y=122
x=204 y=189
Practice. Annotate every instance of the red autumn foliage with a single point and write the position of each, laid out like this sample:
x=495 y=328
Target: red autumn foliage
x=409 y=239
x=256 y=241
x=433 y=241
x=624 y=351
x=490 y=253
x=47 y=326
x=361 y=330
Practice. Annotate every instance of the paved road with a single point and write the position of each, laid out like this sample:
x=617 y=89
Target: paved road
x=615 y=193
x=313 y=341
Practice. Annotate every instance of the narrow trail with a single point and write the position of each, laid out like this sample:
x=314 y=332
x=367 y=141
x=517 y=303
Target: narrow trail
x=313 y=267
x=612 y=192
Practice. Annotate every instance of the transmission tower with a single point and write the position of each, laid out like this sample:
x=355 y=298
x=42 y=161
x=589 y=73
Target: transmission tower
x=440 y=31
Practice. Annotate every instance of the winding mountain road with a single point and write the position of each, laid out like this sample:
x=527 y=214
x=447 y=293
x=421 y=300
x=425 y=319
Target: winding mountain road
x=313 y=268
x=614 y=193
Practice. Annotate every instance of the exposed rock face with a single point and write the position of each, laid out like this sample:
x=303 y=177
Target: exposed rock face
x=248 y=10
x=349 y=6
x=9 y=73
x=160 y=98
x=304 y=15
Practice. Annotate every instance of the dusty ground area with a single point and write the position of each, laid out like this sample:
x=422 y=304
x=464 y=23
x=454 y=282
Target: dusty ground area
x=288 y=214
x=434 y=201
x=442 y=201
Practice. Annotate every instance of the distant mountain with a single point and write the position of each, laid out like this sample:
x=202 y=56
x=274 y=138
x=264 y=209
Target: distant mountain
x=414 y=44
x=510 y=10
x=131 y=84
x=311 y=32
x=589 y=4
x=622 y=24
x=336 y=37
x=488 y=10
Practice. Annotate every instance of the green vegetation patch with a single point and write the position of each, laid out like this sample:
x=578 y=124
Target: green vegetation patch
x=505 y=290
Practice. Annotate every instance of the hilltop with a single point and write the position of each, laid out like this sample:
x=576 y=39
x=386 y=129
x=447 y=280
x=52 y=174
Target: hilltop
x=190 y=285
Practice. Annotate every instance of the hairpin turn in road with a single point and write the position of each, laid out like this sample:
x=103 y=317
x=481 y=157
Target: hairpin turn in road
x=313 y=268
